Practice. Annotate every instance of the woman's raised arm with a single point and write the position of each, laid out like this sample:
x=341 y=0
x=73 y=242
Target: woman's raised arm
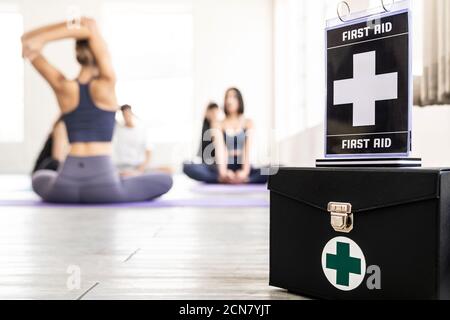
x=36 y=39
x=100 y=51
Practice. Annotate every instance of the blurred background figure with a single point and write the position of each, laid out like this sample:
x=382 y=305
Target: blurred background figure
x=132 y=150
x=55 y=149
x=206 y=151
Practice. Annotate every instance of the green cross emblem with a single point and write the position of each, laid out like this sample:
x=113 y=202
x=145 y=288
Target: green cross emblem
x=344 y=264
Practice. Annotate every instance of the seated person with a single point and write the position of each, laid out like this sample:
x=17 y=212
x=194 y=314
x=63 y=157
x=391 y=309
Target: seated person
x=55 y=149
x=211 y=117
x=232 y=142
x=132 y=151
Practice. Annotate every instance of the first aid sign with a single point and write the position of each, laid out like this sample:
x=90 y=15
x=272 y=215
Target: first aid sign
x=369 y=87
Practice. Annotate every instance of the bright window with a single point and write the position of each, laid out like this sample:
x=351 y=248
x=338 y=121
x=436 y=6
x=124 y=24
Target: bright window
x=299 y=65
x=11 y=77
x=152 y=50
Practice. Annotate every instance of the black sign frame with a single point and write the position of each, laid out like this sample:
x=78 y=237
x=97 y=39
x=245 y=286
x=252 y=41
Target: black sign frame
x=391 y=138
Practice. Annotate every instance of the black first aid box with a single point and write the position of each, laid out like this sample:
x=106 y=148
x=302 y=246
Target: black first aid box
x=361 y=233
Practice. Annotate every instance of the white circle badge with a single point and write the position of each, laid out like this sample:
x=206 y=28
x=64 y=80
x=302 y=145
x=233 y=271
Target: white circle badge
x=344 y=264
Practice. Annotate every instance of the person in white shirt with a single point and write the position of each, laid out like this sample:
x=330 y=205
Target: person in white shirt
x=132 y=150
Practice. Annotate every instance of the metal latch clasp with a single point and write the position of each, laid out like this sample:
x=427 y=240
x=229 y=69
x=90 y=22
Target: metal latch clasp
x=341 y=216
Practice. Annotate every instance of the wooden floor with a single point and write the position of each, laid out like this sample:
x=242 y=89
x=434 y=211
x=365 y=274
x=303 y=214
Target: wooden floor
x=135 y=254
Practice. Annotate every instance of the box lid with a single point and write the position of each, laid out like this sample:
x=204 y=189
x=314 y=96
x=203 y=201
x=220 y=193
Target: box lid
x=365 y=189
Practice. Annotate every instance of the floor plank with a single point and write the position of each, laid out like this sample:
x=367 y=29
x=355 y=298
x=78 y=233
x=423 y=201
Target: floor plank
x=135 y=254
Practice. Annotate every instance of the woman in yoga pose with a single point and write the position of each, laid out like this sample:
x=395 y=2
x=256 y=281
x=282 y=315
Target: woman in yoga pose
x=232 y=140
x=89 y=106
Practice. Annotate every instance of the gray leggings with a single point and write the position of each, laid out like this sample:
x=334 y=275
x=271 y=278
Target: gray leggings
x=94 y=180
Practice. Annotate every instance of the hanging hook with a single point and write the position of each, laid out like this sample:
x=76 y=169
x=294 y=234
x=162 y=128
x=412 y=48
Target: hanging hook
x=339 y=6
x=387 y=8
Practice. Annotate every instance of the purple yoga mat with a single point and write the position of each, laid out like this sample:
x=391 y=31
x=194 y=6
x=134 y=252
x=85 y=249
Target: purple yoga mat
x=161 y=203
x=227 y=189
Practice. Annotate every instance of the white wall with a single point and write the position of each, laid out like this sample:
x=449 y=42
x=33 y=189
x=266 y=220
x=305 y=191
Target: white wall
x=431 y=140
x=307 y=145
x=431 y=135
x=233 y=47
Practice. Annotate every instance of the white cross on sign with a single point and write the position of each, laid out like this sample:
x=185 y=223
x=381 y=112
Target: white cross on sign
x=365 y=89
